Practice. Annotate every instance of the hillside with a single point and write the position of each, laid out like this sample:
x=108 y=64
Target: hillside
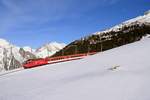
x=124 y=33
x=117 y=74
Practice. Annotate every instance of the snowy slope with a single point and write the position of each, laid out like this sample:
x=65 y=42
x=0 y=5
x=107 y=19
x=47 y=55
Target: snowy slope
x=92 y=78
x=49 y=49
x=145 y=19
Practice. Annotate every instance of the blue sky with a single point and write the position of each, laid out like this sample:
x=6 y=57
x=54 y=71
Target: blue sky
x=36 y=22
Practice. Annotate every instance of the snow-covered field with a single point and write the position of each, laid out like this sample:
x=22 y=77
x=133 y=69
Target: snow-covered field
x=119 y=74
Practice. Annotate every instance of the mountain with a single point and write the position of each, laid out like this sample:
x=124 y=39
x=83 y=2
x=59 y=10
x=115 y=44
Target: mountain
x=11 y=56
x=129 y=31
x=139 y=21
x=118 y=74
x=45 y=50
x=29 y=49
x=124 y=33
x=49 y=49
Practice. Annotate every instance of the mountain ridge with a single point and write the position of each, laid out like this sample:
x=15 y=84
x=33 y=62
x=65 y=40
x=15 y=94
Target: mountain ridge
x=127 y=32
x=139 y=20
x=12 y=56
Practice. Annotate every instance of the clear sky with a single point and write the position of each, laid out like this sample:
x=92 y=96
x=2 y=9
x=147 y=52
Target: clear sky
x=36 y=22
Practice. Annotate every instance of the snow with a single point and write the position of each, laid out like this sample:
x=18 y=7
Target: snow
x=7 y=51
x=92 y=78
x=3 y=43
x=29 y=49
x=49 y=49
x=145 y=19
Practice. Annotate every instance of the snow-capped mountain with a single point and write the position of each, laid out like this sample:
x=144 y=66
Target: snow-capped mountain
x=45 y=50
x=11 y=56
x=49 y=49
x=29 y=49
x=140 y=20
x=124 y=33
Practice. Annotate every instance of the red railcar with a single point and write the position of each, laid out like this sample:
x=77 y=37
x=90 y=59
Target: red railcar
x=34 y=63
x=49 y=60
x=52 y=60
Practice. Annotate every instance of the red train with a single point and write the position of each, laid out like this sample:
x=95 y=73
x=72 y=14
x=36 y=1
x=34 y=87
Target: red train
x=43 y=61
x=34 y=63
